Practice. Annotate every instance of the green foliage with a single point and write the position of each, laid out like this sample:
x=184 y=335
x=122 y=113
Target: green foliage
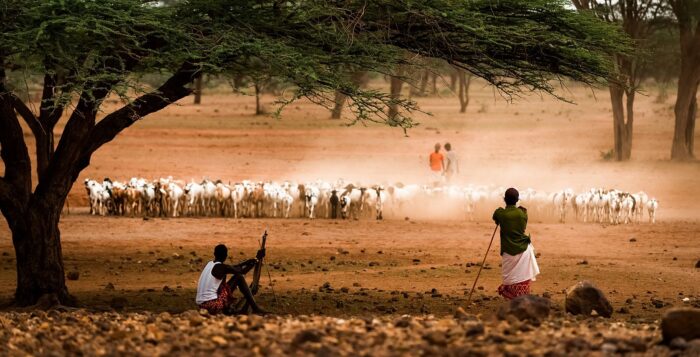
x=107 y=44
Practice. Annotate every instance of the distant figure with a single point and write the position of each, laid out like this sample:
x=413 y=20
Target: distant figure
x=452 y=165
x=334 y=204
x=215 y=294
x=519 y=263
x=437 y=166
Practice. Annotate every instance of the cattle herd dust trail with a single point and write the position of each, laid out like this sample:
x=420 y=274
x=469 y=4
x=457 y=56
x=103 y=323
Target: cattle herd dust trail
x=419 y=260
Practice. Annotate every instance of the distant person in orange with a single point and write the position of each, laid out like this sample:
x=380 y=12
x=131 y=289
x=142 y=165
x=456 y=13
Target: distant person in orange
x=437 y=166
x=452 y=167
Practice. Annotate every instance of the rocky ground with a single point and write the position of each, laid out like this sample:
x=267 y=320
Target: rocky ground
x=80 y=332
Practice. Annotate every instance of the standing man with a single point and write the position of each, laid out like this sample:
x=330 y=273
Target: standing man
x=519 y=263
x=215 y=294
x=437 y=166
x=452 y=167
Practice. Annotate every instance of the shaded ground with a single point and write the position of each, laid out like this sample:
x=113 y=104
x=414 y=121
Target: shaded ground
x=386 y=267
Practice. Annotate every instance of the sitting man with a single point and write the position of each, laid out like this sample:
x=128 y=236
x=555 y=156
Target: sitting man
x=215 y=294
x=519 y=263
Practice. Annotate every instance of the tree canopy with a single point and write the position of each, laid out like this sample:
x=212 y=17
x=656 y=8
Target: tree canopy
x=513 y=44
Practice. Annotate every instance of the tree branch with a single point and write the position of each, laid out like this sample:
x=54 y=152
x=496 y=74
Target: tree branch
x=29 y=117
x=13 y=149
x=171 y=91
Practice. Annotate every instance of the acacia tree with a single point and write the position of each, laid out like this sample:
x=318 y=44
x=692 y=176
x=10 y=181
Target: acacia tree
x=688 y=16
x=638 y=19
x=89 y=50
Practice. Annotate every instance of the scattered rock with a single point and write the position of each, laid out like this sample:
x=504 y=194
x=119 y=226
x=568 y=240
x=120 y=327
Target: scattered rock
x=460 y=314
x=73 y=275
x=437 y=338
x=304 y=336
x=697 y=264
x=623 y=310
x=474 y=328
x=530 y=308
x=680 y=322
x=584 y=298
x=678 y=343
x=633 y=240
x=657 y=303
x=373 y=264
x=583 y=262
x=109 y=287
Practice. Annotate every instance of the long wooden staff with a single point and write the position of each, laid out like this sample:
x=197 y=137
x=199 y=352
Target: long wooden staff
x=255 y=284
x=469 y=300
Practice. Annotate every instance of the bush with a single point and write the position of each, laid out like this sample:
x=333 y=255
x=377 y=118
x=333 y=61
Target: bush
x=607 y=155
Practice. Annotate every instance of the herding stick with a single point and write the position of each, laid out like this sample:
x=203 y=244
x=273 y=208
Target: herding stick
x=469 y=300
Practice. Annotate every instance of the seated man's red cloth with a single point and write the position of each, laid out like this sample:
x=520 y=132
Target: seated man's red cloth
x=223 y=300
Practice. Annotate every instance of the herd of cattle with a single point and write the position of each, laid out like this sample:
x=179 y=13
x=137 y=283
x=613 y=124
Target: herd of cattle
x=167 y=197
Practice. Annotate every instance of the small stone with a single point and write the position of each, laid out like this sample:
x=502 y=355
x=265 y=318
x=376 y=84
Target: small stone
x=109 y=286
x=219 y=341
x=584 y=298
x=167 y=289
x=304 y=336
x=73 y=275
x=373 y=264
x=530 y=308
x=608 y=348
x=681 y=322
x=633 y=240
x=657 y=303
x=623 y=310
x=678 y=343
x=583 y=262
x=437 y=338
x=344 y=290
x=460 y=314
x=473 y=328
x=697 y=264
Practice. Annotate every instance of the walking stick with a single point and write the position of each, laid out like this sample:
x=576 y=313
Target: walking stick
x=469 y=300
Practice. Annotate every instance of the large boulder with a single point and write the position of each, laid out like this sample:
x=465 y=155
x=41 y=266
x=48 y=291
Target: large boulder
x=681 y=322
x=530 y=308
x=584 y=298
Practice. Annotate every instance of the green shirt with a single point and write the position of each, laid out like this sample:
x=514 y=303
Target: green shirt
x=513 y=222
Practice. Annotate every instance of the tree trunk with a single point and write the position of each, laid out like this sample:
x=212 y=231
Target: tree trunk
x=685 y=111
x=339 y=104
x=37 y=243
x=453 y=81
x=464 y=82
x=258 y=106
x=198 y=90
x=622 y=129
x=396 y=84
x=434 y=76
